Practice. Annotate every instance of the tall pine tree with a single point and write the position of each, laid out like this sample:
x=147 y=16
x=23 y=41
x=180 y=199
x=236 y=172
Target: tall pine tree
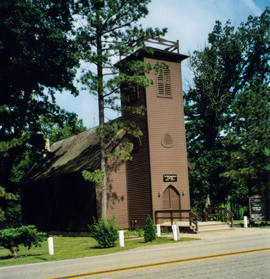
x=233 y=60
x=247 y=140
x=108 y=29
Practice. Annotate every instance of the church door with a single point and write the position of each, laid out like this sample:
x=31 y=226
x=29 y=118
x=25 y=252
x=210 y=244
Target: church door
x=171 y=200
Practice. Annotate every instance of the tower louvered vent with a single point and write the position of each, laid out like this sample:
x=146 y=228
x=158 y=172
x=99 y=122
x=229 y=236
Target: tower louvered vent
x=164 y=83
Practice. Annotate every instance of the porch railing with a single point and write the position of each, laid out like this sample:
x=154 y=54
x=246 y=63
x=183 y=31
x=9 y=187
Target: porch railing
x=220 y=213
x=177 y=215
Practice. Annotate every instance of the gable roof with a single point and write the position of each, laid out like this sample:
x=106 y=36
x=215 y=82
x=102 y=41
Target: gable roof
x=76 y=153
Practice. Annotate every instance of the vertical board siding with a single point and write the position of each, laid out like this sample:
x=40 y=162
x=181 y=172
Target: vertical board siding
x=163 y=124
x=117 y=192
x=138 y=172
x=167 y=115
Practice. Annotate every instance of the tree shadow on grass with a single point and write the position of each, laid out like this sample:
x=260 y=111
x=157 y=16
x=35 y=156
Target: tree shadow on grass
x=41 y=258
x=99 y=248
x=6 y=257
x=37 y=256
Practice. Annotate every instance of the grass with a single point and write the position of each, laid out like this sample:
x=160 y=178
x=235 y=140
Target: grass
x=71 y=248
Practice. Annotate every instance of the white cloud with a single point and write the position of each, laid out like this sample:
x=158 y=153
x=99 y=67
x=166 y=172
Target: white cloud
x=256 y=10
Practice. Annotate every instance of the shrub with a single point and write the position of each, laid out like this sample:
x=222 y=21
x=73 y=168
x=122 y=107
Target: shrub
x=24 y=235
x=150 y=231
x=104 y=231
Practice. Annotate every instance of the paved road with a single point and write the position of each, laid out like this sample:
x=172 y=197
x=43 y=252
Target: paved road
x=212 y=243
x=248 y=266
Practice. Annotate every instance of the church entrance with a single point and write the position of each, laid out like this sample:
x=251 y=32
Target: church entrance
x=171 y=201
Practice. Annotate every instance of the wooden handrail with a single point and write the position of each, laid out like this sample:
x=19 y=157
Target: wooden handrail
x=192 y=217
x=224 y=214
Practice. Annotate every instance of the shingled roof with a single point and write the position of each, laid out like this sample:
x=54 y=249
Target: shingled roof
x=76 y=153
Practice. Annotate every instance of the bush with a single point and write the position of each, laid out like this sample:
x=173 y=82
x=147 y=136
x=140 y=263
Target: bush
x=104 y=231
x=150 y=231
x=24 y=235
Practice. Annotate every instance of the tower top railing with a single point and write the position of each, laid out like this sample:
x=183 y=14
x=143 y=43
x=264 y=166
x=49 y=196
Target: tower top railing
x=165 y=45
x=170 y=46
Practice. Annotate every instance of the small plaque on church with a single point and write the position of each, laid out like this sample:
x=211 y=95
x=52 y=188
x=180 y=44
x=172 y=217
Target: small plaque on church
x=169 y=177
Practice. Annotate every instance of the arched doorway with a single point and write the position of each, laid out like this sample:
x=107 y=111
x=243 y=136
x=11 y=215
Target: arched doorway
x=171 y=199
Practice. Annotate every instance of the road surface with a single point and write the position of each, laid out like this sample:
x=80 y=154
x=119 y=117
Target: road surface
x=236 y=254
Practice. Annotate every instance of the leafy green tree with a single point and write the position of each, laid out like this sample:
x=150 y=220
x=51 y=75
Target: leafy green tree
x=233 y=60
x=247 y=140
x=109 y=30
x=61 y=126
x=28 y=236
x=38 y=56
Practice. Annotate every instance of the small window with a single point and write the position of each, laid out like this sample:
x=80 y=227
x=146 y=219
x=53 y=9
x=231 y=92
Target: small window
x=164 y=82
x=133 y=94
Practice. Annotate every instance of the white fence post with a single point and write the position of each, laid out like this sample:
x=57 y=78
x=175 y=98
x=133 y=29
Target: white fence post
x=50 y=244
x=175 y=233
x=178 y=230
x=158 y=230
x=245 y=221
x=121 y=238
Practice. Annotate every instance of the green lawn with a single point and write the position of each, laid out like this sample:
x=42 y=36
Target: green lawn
x=71 y=248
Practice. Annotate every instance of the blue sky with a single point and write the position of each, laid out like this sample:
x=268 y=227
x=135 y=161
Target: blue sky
x=190 y=22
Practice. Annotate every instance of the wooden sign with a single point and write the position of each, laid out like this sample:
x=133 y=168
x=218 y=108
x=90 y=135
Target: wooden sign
x=169 y=177
x=257 y=208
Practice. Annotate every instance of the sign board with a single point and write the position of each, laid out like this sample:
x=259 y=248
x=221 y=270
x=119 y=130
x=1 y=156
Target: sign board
x=257 y=208
x=169 y=177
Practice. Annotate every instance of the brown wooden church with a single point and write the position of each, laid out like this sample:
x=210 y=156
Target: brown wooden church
x=55 y=196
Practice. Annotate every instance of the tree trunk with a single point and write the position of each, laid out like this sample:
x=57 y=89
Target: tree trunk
x=101 y=123
x=208 y=201
x=14 y=252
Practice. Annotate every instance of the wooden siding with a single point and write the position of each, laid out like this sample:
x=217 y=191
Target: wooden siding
x=117 y=192
x=166 y=115
x=138 y=172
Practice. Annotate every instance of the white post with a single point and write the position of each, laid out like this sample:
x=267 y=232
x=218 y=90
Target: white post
x=121 y=238
x=158 y=230
x=177 y=230
x=175 y=235
x=50 y=243
x=245 y=221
